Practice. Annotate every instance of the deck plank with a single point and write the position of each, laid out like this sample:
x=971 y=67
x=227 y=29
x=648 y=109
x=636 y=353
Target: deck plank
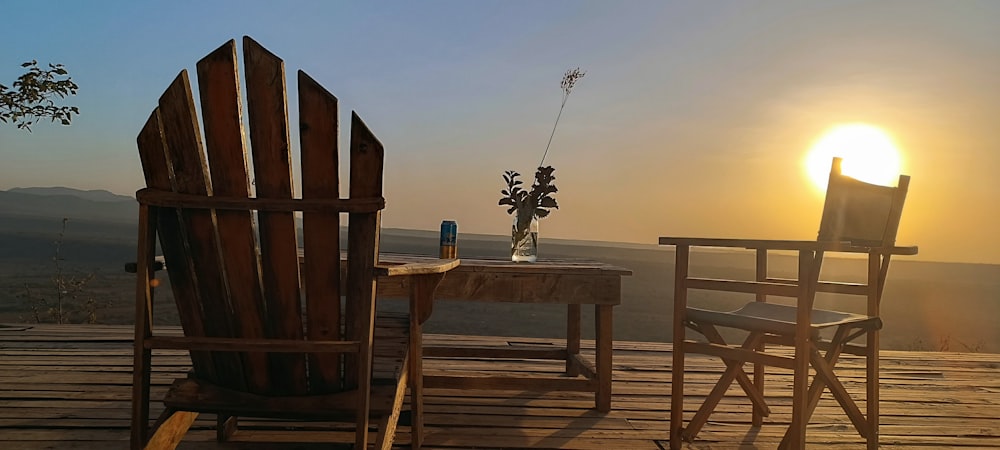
x=69 y=387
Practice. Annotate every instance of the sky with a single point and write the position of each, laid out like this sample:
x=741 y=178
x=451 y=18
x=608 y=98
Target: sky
x=694 y=117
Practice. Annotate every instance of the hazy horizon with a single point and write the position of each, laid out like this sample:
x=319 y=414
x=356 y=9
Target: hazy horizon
x=33 y=224
x=694 y=118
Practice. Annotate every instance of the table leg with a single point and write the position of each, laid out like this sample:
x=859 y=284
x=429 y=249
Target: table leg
x=603 y=341
x=572 y=339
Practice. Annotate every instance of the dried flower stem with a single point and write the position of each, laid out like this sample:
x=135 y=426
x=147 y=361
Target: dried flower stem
x=569 y=80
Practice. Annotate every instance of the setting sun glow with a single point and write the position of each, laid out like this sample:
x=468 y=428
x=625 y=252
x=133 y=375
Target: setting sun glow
x=869 y=155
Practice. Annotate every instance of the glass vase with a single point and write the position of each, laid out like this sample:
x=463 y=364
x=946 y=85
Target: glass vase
x=524 y=239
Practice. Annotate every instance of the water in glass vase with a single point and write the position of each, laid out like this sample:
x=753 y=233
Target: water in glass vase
x=524 y=240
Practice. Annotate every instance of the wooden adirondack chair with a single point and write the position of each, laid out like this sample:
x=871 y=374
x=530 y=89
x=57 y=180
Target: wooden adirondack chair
x=858 y=218
x=234 y=264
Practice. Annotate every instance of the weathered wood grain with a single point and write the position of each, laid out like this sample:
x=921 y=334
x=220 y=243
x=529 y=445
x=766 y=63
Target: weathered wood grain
x=268 y=118
x=152 y=155
x=318 y=130
x=222 y=113
x=556 y=281
x=56 y=392
x=188 y=171
x=367 y=156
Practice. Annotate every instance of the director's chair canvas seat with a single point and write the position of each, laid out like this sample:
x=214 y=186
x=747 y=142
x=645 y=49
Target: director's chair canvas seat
x=778 y=319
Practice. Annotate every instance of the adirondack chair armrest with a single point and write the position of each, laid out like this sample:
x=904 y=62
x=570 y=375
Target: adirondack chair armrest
x=158 y=264
x=424 y=278
x=416 y=268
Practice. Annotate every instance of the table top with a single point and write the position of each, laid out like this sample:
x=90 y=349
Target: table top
x=559 y=281
x=504 y=265
x=562 y=266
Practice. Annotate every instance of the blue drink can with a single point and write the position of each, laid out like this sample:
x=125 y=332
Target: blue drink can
x=449 y=239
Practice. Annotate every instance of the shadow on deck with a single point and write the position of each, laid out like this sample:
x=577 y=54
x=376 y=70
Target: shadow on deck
x=68 y=387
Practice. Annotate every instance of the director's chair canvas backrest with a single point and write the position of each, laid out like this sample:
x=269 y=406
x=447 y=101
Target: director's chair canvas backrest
x=859 y=212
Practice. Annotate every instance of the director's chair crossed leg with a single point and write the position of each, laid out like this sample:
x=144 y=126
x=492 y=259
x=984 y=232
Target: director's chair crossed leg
x=734 y=372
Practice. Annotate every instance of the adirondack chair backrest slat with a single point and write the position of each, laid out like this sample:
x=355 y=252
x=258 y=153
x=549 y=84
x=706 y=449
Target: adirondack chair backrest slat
x=221 y=109
x=189 y=175
x=236 y=272
x=152 y=155
x=363 y=236
x=269 y=139
x=321 y=231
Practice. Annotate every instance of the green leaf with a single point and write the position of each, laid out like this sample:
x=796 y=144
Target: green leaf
x=32 y=97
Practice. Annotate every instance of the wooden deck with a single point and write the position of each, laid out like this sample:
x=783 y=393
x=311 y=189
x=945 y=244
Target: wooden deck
x=68 y=387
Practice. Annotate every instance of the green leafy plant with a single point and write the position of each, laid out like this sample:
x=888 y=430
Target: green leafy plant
x=31 y=96
x=531 y=203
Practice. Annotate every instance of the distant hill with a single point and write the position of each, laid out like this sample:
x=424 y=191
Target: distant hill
x=59 y=202
x=96 y=195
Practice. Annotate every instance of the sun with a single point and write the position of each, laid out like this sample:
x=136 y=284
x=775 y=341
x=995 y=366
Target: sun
x=869 y=155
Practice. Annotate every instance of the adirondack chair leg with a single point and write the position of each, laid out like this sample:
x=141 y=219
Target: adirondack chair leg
x=140 y=398
x=171 y=428
x=225 y=427
x=388 y=423
x=416 y=382
x=422 y=289
x=141 y=369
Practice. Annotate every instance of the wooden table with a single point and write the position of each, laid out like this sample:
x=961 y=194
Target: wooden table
x=555 y=281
